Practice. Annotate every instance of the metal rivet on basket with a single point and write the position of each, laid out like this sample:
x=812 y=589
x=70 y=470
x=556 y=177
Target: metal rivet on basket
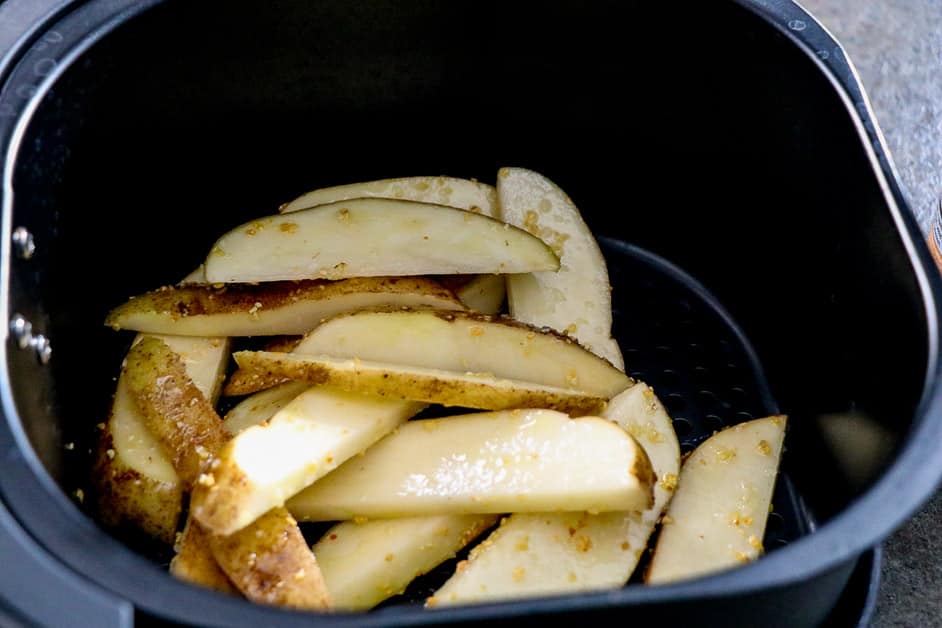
x=23 y=243
x=22 y=331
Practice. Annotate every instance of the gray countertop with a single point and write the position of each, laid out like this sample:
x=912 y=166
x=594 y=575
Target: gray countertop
x=896 y=46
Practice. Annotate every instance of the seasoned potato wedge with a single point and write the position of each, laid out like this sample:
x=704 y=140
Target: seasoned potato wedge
x=282 y=307
x=366 y=563
x=312 y=435
x=135 y=483
x=717 y=517
x=173 y=409
x=262 y=406
x=481 y=391
x=245 y=383
x=195 y=563
x=373 y=237
x=481 y=293
x=269 y=562
x=534 y=554
x=488 y=462
x=465 y=342
x=576 y=299
x=451 y=191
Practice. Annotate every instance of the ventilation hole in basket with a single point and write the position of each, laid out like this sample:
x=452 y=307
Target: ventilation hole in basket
x=742 y=417
x=713 y=423
x=682 y=427
x=631 y=356
x=707 y=400
x=697 y=350
x=670 y=378
x=779 y=542
x=683 y=307
x=664 y=354
x=775 y=526
x=702 y=376
x=675 y=403
x=640 y=376
x=725 y=347
x=732 y=371
x=737 y=395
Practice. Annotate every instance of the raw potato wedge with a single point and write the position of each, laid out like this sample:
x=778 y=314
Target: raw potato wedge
x=262 y=406
x=245 y=383
x=488 y=462
x=451 y=191
x=194 y=561
x=481 y=293
x=466 y=342
x=366 y=563
x=173 y=409
x=717 y=517
x=549 y=553
x=135 y=482
x=269 y=562
x=374 y=237
x=274 y=308
x=312 y=435
x=396 y=381
x=577 y=298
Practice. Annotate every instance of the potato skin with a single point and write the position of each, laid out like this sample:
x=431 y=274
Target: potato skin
x=125 y=496
x=194 y=561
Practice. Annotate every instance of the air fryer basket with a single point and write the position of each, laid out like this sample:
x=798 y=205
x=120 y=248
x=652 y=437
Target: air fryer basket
x=760 y=253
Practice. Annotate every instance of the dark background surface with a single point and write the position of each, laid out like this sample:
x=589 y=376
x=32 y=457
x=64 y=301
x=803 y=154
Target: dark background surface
x=896 y=46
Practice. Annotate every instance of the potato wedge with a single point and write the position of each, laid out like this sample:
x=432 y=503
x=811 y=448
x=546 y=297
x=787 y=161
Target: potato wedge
x=717 y=518
x=312 y=435
x=194 y=561
x=488 y=462
x=465 y=341
x=373 y=237
x=270 y=563
x=481 y=293
x=135 y=483
x=534 y=554
x=396 y=381
x=366 y=563
x=262 y=406
x=282 y=307
x=173 y=409
x=576 y=299
x=245 y=383
x=451 y=191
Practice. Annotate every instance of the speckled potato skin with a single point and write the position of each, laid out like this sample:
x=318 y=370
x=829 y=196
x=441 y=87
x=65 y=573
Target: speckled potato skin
x=271 y=563
x=125 y=496
x=194 y=561
x=271 y=308
x=173 y=408
x=246 y=383
x=481 y=391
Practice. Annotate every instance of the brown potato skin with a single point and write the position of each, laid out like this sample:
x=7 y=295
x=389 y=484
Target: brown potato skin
x=246 y=383
x=270 y=562
x=173 y=408
x=125 y=496
x=482 y=394
x=194 y=561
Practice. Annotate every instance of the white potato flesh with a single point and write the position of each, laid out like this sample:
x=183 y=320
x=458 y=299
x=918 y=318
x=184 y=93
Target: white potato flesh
x=261 y=406
x=366 y=563
x=717 y=518
x=485 y=463
x=576 y=299
x=270 y=309
x=396 y=381
x=466 y=342
x=268 y=463
x=549 y=553
x=481 y=293
x=451 y=191
x=374 y=237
